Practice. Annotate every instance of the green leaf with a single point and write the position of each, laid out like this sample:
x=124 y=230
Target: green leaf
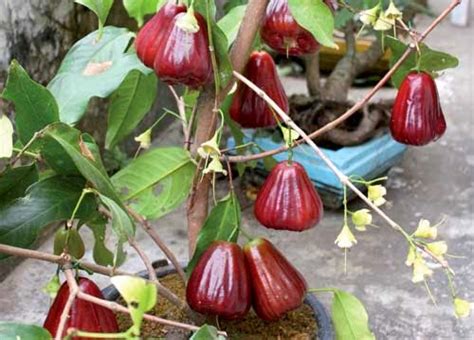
x=129 y=104
x=15 y=181
x=342 y=17
x=35 y=106
x=6 y=137
x=316 y=17
x=137 y=9
x=45 y=202
x=100 y=7
x=92 y=169
x=223 y=223
x=156 y=182
x=122 y=225
x=101 y=254
x=93 y=69
x=207 y=332
x=230 y=23
x=201 y=7
x=139 y=295
x=349 y=317
x=17 y=331
x=431 y=61
x=230 y=4
x=221 y=46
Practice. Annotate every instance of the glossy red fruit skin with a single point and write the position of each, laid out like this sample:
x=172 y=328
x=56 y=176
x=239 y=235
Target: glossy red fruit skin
x=84 y=315
x=281 y=32
x=151 y=34
x=288 y=200
x=417 y=118
x=219 y=284
x=184 y=57
x=247 y=108
x=277 y=286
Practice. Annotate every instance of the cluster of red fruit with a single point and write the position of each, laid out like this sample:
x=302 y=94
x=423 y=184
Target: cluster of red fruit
x=227 y=281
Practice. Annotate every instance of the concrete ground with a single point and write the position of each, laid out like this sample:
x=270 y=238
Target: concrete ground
x=430 y=181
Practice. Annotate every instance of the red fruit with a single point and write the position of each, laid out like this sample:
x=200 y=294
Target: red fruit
x=183 y=57
x=247 y=108
x=219 y=284
x=417 y=117
x=288 y=199
x=150 y=36
x=277 y=286
x=84 y=315
x=281 y=32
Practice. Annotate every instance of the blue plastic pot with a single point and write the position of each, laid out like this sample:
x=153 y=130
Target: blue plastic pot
x=369 y=160
x=322 y=318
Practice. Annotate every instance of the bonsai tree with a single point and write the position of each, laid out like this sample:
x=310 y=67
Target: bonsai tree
x=54 y=173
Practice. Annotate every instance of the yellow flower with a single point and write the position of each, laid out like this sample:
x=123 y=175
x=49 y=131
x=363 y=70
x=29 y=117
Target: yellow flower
x=215 y=166
x=289 y=135
x=369 y=16
x=346 y=238
x=209 y=148
x=188 y=22
x=462 y=308
x=144 y=139
x=420 y=270
x=438 y=248
x=424 y=230
x=361 y=218
x=393 y=12
x=411 y=256
x=383 y=23
x=376 y=194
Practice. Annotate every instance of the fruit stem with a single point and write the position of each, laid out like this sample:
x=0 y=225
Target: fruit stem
x=75 y=332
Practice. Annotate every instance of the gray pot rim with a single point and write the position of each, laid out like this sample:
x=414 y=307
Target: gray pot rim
x=163 y=268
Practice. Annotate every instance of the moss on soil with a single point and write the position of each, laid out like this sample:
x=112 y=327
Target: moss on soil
x=296 y=325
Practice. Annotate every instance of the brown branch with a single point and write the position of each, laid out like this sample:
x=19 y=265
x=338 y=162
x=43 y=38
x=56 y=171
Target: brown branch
x=159 y=242
x=362 y=102
x=73 y=290
x=198 y=201
x=313 y=75
x=115 y=307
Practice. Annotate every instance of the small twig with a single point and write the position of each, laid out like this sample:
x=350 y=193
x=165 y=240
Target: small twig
x=159 y=242
x=73 y=290
x=119 y=308
x=357 y=106
x=36 y=135
x=182 y=112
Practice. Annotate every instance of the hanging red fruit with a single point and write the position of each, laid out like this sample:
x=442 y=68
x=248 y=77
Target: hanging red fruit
x=84 y=315
x=175 y=44
x=281 y=32
x=150 y=36
x=277 y=286
x=247 y=108
x=219 y=284
x=288 y=199
x=417 y=117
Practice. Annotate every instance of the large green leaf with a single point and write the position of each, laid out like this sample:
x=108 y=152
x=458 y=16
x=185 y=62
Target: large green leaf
x=137 y=9
x=45 y=202
x=84 y=155
x=223 y=223
x=93 y=68
x=350 y=318
x=15 y=181
x=121 y=222
x=431 y=61
x=101 y=254
x=129 y=104
x=230 y=23
x=19 y=331
x=100 y=7
x=316 y=17
x=157 y=182
x=35 y=106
